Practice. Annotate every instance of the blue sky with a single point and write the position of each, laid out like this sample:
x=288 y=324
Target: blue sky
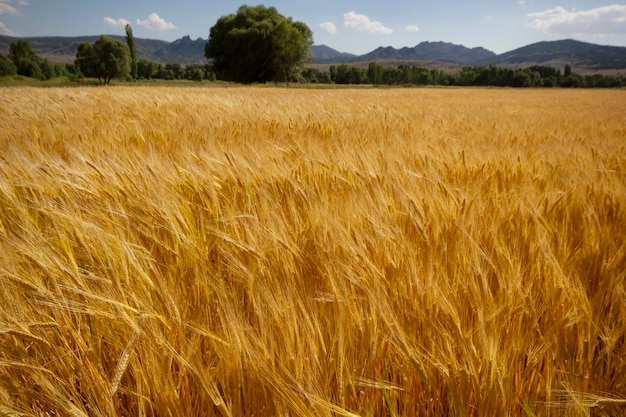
x=354 y=26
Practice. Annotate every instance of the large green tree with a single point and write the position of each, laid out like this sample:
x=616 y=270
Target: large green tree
x=105 y=60
x=258 y=44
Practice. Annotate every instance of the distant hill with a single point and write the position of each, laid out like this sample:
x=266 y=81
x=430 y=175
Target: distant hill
x=565 y=52
x=62 y=50
x=326 y=53
x=432 y=51
x=583 y=57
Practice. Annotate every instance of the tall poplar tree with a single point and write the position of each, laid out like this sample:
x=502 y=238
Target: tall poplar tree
x=130 y=40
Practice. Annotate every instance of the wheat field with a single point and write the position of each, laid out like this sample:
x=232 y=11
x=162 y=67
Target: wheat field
x=174 y=251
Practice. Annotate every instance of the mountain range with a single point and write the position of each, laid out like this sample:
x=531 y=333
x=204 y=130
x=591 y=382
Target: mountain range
x=581 y=56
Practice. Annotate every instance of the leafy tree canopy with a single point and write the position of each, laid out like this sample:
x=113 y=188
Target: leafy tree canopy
x=22 y=50
x=258 y=44
x=106 y=59
x=7 y=67
x=23 y=60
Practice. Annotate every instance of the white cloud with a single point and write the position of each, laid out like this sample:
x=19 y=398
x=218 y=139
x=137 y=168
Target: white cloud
x=6 y=31
x=601 y=21
x=116 y=23
x=155 y=22
x=412 y=28
x=6 y=8
x=329 y=26
x=363 y=23
x=521 y=2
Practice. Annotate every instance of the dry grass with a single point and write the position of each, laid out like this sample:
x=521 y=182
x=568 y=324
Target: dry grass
x=284 y=252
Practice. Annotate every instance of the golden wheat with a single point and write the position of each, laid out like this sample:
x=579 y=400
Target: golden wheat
x=249 y=251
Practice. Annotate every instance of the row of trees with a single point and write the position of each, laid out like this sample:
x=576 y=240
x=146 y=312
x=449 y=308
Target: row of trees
x=149 y=70
x=534 y=76
x=108 y=58
x=24 y=61
x=257 y=44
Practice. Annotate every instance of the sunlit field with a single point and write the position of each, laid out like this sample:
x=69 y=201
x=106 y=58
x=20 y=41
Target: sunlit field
x=283 y=252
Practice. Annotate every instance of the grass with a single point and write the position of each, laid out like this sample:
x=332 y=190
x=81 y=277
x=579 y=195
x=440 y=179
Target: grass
x=231 y=252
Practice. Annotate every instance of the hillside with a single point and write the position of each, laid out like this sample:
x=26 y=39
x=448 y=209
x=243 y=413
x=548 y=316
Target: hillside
x=583 y=57
x=559 y=53
x=326 y=53
x=432 y=51
x=62 y=50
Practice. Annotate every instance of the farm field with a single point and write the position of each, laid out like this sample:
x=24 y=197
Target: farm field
x=289 y=252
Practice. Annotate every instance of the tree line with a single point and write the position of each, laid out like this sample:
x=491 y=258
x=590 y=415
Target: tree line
x=108 y=58
x=485 y=76
x=257 y=45
x=105 y=60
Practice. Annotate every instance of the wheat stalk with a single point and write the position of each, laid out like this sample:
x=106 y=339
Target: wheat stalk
x=122 y=363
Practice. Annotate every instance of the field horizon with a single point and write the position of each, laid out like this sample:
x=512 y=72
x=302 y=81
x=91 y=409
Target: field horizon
x=256 y=252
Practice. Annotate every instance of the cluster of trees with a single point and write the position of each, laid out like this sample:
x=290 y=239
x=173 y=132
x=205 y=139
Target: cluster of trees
x=534 y=76
x=22 y=60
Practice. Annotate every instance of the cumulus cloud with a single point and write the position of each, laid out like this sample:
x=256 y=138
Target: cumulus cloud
x=601 y=21
x=6 y=31
x=7 y=8
x=363 y=23
x=156 y=22
x=412 y=28
x=329 y=26
x=116 y=23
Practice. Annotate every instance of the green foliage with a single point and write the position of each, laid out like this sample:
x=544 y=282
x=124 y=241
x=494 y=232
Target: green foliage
x=375 y=73
x=312 y=75
x=197 y=75
x=22 y=50
x=567 y=71
x=7 y=67
x=105 y=60
x=491 y=76
x=29 y=64
x=258 y=45
x=146 y=69
x=571 y=81
x=345 y=74
x=49 y=70
x=130 y=41
x=28 y=68
x=25 y=59
x=176 y=70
